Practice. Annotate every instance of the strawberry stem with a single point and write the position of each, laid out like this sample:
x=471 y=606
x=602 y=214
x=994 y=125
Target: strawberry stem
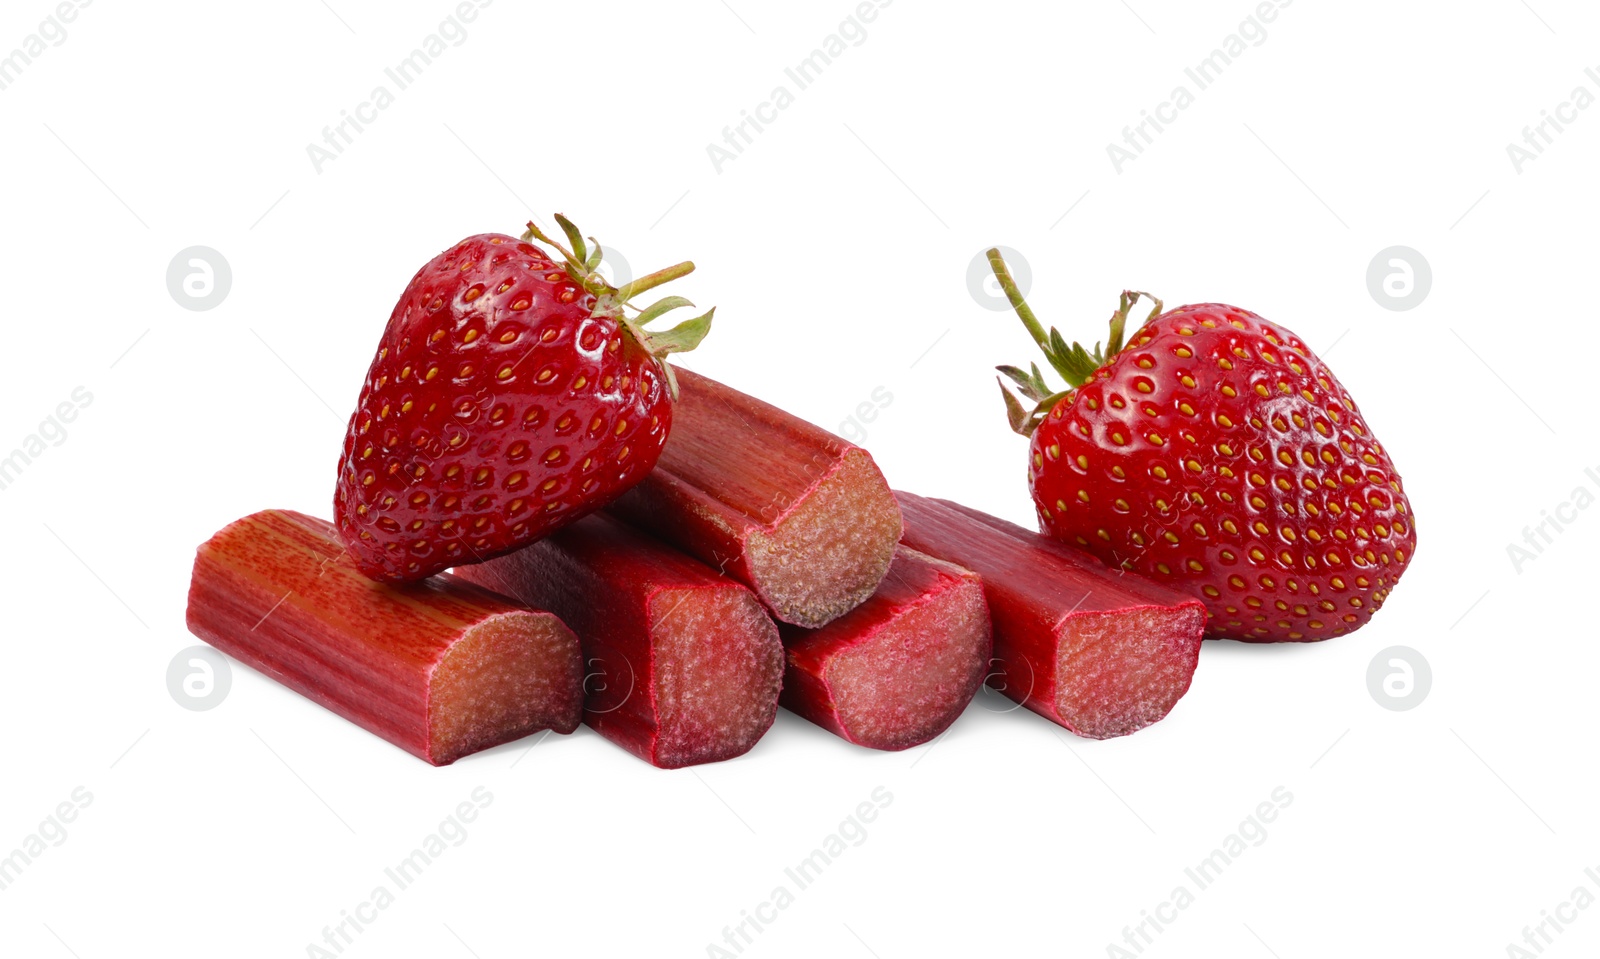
x=582 y=261
x=997 y=263
x=1073 y=362
x=653 y=280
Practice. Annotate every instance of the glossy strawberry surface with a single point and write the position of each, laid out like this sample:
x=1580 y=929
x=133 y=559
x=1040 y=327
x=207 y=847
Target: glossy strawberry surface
x=499 y=407
x=1217 y=454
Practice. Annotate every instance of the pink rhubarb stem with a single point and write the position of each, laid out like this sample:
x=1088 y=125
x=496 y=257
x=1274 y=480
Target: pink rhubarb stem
x=439 y=668
x=897 y=670
x=799 y=515
x=682 y=665
x=1102 y=652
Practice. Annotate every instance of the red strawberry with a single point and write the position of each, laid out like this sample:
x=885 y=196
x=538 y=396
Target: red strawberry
x=510 y=396
x=1216 y=453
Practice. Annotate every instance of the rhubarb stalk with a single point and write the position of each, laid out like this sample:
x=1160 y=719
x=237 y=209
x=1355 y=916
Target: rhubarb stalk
x=1102 y=652
x=439 y=668
x=683 y=666
x=897 y=670
x=799 y=515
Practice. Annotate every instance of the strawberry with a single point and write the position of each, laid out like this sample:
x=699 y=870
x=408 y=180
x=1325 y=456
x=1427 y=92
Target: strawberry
x=510 y=395
x=1217 y=454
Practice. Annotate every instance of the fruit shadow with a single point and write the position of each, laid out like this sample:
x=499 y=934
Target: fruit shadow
x=542 y=741
x=985 y=714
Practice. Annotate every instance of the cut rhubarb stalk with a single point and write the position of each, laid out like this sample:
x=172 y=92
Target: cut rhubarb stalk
x=799 y=515
x=897 y=670
x=683 y=664
x=439 y=668
x=1102 y=652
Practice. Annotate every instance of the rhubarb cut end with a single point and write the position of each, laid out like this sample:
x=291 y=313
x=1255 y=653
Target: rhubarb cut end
x=439 y=668
x=911 y=680
x=507 y=677
x=1118 y=673
x=810 y=568
x=718 y=669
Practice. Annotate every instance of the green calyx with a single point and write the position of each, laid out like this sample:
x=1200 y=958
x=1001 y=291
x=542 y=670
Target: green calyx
x=582 y=262
x=1072 y=362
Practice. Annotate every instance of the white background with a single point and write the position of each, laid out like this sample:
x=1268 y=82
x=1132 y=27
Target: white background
x=836 y=249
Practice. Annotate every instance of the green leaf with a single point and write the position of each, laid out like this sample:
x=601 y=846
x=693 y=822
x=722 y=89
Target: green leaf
x=659 y=308
x=1057 y=353
x=1032 y=385
x=1019 y=377
x=579 y=251
x=574 y=267
x=1049 y=403
x=1119 y=321
x=1015 y=414
x=683 y=337
x=1075 y=363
